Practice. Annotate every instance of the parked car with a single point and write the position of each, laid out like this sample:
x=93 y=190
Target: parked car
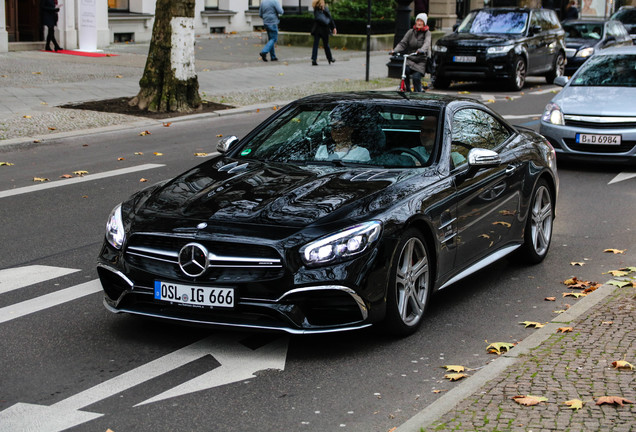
x=585 y=37
x=339 y=211
x=594 y=116
x=501 y=44
x=627 y=16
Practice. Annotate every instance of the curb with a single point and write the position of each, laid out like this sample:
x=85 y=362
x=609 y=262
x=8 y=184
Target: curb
x=450 y=400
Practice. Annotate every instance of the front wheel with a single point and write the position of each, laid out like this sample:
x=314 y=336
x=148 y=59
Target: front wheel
x=538 y=232
x=409 y=285
x=519 y=74
x=558 y=69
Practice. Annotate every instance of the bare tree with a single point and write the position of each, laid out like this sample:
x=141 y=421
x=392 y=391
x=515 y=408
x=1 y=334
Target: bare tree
x=169 y=82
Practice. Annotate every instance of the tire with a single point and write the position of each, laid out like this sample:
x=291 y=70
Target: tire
x=409 y=287
x=539 y=223
x=519 y=76
x=558 y=68
x=440 y=83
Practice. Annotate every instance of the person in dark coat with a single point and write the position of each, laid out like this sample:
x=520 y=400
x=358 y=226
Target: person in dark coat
x=571 y=12
x=416 y=40
x=49 y=20
x=324 y=25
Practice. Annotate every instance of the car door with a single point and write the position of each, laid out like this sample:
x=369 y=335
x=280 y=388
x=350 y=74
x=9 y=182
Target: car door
x=536 y=42
x=487 y=199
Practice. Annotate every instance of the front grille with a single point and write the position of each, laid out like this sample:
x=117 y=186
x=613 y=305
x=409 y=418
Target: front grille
x=623 y=148
x=463 y=50
x=229 y=262
x=596 y=125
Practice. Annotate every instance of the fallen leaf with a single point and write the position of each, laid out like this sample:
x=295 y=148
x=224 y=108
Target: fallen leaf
x=274 y=107
x=565 y=330
x=591 y=288
x=36 y=73
x=550 y=299
x=615 y=251
x=200 y=154
x=618 y=400
x=573 y=294
x=139 y=153
x=439 y=391
x=40 y=179
x=36 y=141
x=463 y=92
x=529 y=400
x=486 y=236
x=622 y=364
x=52 y=128
x=499 y=347
x=143 y=180
x=80 y=173
x=158 y=154
x=167 y=124
x=559 y=311
x=219 y=135
x=619 y=283
x=26 y=116
x=575 y=404
x=507 y=213
x=532 y=324
x=66 y=176
x=121 y=158
x=617 y=273
x=607 y=323
x=6 y=164
x=454 y=368
x=144 y=133
x=506 y=224
x=455 y=376
x=577 y=263
x=118 y=76
x=490 y=101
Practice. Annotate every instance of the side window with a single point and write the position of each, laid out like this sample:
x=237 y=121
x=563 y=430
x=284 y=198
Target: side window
x=473 y=128
x=535 y=21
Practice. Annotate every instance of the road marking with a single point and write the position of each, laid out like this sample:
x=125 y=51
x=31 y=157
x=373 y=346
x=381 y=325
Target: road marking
x=238 y=363
x=27 y=307
x=555 y=90
x=16 y=278
x=622 y=177
x=75 y=180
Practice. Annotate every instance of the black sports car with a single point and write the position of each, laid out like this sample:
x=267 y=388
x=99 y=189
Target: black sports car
x=339 y=211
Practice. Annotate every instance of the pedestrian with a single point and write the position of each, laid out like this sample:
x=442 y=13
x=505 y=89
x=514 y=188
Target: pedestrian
x=270 y=10
x=416 y=40
x=49 y=20
x=571 y=11
x=324 y=25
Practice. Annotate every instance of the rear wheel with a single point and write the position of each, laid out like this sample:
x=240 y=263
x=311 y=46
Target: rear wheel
x=519 y=74
x=538 y=232
x=558 y=68
x=409 y=285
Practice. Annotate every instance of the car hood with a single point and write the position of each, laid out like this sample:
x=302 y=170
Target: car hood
x=257 y=193
x=598 y=101
x=471 y=39
x=577 y=43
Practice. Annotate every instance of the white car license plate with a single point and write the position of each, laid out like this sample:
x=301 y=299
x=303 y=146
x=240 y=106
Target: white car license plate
x=598 y=139
x=464 y=59
x=194 y=295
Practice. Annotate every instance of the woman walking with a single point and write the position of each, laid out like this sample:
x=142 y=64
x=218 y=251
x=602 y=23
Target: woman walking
x=323 y=26
x=49 y=19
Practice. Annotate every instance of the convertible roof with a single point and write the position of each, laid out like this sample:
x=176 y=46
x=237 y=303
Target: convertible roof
x=420 y=99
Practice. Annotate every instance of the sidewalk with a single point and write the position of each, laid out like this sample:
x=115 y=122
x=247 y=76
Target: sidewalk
x=558 y=366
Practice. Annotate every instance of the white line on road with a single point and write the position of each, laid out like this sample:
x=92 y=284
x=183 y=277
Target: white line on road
x=16 y=278
x=622 y=177
x=74 y=180
x=27 y=307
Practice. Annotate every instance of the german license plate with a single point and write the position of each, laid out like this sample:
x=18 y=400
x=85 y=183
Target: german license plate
x=598 y=139
x=464 y=59
x=194 y=295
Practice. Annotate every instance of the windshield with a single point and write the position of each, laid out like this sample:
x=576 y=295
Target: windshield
x=347 y=134
x=583 y=30
x=608 y=71
x=627 y=16
x=492 y=21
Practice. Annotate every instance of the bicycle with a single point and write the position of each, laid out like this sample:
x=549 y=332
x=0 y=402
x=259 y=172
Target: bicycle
x=402 y=85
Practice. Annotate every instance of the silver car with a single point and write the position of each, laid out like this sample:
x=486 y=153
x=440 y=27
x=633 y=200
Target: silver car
x=594 y=116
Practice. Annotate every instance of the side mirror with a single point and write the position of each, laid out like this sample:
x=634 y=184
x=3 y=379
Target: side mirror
x=225 y=143
x=455 y=27
x=561 y=81
x=483 y=158
x=535 y=29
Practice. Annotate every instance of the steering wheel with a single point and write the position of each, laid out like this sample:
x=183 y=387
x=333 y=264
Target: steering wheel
x=415 y=155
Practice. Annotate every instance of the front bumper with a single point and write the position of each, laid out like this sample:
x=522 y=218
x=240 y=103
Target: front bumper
x=485 y=67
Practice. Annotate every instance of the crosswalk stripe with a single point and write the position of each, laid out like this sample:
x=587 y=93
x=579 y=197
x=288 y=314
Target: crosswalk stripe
x=75 y=180
x=16 y=278
x=27 y=307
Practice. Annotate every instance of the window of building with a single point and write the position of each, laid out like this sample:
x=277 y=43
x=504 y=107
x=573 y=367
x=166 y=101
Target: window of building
x=118 y=5
x=211 y=4
x=255 y=4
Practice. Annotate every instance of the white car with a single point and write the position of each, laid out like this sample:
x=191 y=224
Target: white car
x=594 y=116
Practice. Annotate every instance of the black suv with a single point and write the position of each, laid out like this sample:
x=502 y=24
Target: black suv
x=501 y=44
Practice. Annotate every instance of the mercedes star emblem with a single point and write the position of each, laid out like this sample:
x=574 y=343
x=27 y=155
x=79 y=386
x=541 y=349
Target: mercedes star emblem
x=193 y=259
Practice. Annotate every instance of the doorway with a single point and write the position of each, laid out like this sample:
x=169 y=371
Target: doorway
x=23 y=20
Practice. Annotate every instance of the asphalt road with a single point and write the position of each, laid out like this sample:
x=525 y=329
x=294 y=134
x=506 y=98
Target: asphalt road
x=74 y=363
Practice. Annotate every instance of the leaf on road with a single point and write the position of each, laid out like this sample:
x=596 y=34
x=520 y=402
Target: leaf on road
x=575 y=404
x=486 y=236
x=167 y=124
x=158 y=154
x=565 y=330
x=6 y=164
x=26 y=116
x=612 y=400
x=529 y=400
x=507 y=213
x=499 y=347
x=622 y=364
x=200 y=154
x=607 y=323
x=143 y=180
x=121 y=158
x=573 y=294
x=490 y=101
x=118 y=76
x=40 y=179
x=532 y=324
x=455 y=376
x=66 y=176
x=619 y=283
x=559 y=311
x=615 y=251
x=617 y=273
x=577 y=263
x=144 y=133
x=139 y=153
x=550 y=299
x=439 y=391
x=463 y=92
x=80 y=173
x=454 y=368
x=506 y=224
x=52 y=128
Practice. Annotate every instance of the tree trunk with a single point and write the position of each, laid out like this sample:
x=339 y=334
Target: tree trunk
x=169 y=82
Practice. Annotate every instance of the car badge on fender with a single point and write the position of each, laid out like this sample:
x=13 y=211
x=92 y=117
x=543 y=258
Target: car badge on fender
x=193 y=259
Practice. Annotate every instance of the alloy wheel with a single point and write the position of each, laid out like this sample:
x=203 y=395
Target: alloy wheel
x=541 y=220
x=412 y=281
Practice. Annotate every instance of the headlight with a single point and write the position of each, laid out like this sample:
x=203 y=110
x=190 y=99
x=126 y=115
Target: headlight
x=499 y=49
x=585 y=52
x=440 y=48
x=553 y=114
x=342 y=245
x=115 y=228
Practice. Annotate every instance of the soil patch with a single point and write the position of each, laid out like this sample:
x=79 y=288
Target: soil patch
x=120 y=106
